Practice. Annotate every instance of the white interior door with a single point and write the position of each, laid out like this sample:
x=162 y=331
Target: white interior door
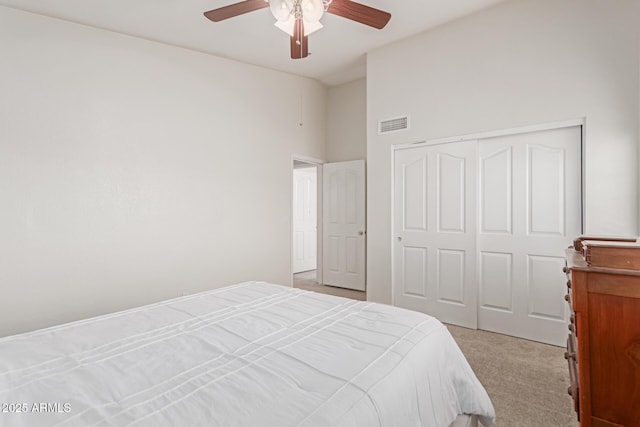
x=343 y=237
x=434 y=231
x=529 y=212
x=305 y=219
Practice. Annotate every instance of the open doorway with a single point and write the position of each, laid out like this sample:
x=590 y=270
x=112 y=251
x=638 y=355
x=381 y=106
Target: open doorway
x=307 y=255
x=305 y=223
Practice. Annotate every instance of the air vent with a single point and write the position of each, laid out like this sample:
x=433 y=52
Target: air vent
x=393 y=125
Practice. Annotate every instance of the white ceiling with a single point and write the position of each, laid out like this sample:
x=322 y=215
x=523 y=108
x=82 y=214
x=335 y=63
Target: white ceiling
x=337 y=51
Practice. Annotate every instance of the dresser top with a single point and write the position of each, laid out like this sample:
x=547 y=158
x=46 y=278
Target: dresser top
x=576 y=261
x=611 y=244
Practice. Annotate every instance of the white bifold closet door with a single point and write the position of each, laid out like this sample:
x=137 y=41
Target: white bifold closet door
x=530 y=198
x=434 y=222
x=480 y=229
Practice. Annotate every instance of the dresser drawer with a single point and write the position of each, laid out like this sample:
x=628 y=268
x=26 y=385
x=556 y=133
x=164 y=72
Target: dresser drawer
x=572 y=360
x=573 y=324
x=568 y=298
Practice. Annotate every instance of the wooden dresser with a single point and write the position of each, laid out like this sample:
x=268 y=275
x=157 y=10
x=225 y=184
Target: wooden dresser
x=603 y=348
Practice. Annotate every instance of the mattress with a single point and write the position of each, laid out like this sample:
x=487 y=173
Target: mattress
x=252 y=354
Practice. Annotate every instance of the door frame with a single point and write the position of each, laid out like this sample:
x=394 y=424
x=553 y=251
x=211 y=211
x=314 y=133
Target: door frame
x=478 y=136
x=318 y=164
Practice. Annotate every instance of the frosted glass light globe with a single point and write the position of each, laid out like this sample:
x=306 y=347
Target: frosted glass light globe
x=312 y=10
x=281 y=9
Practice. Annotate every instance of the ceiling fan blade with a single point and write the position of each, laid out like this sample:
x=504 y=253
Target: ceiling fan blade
x=226 y=12
x=366 y=15
x=299 y=42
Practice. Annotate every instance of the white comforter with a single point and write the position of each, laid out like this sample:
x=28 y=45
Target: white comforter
x=252 y=354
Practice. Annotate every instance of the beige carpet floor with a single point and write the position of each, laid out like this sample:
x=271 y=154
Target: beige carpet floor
x=307 y=281
x=527 y=381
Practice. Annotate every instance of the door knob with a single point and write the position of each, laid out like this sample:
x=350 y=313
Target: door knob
x=360 y=233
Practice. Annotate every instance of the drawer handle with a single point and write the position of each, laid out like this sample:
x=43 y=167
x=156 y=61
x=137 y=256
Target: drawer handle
x=572 y=318
x=565 y=269
x=572 y=328
x=569 y=356
x=568 y=284
x=567 y=298
x=570 y=391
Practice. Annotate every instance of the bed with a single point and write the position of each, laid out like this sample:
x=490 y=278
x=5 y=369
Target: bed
x=252 y=354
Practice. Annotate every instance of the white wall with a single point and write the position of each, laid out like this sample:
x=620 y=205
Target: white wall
x=131 y=171
x=347 y=121
x=519 y=63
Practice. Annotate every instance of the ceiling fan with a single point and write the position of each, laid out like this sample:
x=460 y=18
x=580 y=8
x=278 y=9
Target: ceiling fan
x=299 y=18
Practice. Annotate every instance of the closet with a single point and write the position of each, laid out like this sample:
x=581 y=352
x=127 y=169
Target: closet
x=480 y=227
